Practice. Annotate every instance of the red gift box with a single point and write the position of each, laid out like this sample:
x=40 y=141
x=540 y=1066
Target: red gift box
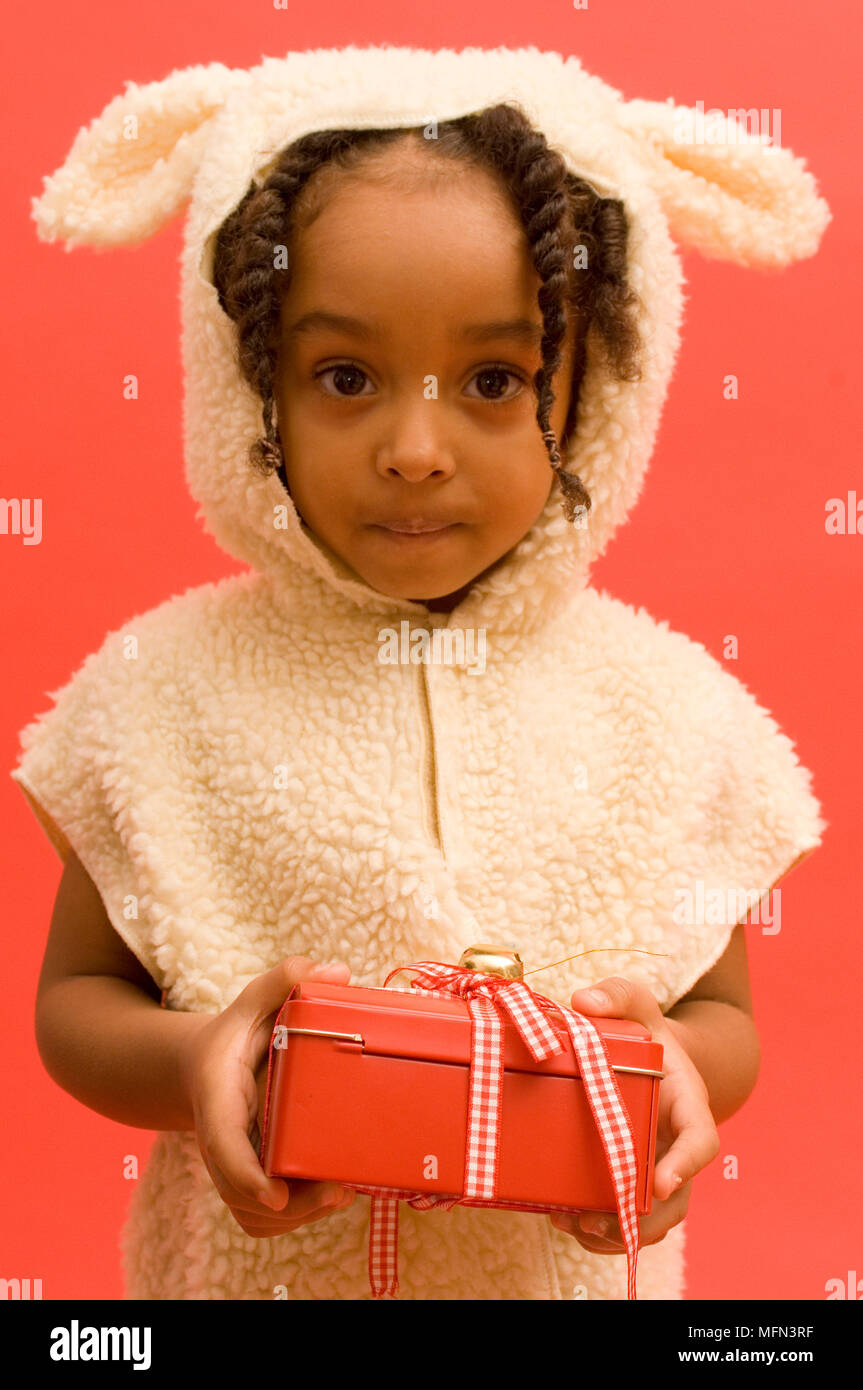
x=371 y=1088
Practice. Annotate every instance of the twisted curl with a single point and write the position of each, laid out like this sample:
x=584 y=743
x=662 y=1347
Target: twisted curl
x=558 y=211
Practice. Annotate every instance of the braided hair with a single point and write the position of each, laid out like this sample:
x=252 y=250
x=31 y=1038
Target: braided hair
x=559 y=212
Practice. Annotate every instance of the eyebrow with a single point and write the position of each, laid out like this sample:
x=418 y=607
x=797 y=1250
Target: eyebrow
x=523 y=331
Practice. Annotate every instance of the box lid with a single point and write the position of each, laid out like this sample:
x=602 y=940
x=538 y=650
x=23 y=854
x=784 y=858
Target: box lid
x=398 y=1023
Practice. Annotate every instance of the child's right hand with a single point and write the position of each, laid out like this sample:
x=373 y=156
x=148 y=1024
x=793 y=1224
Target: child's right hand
x=219 y=1063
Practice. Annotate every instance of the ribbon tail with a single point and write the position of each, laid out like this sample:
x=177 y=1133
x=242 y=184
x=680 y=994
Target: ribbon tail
x=615 y=1131
x=384 y=1247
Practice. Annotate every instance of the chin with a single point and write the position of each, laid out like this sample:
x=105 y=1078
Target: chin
x=407 y=587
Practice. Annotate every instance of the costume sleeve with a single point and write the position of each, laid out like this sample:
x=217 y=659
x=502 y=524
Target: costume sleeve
x=752 y=815
x=767 y=816
x=71 y=770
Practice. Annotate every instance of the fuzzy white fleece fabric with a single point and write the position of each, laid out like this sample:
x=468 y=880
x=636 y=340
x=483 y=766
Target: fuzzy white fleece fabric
x=244 y=779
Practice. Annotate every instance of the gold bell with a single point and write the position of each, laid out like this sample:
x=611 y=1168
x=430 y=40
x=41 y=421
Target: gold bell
x=492 y=960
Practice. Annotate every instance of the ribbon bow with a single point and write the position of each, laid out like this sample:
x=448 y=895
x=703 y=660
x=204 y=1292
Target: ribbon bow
x=486 y=997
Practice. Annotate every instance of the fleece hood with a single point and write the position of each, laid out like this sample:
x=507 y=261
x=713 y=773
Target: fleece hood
x=200 y=135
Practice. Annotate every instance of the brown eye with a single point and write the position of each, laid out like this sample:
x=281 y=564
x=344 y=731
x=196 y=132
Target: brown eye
x=347 y=379
x=493 y=384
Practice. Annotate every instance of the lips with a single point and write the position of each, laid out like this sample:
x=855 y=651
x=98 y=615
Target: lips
x=419 y=526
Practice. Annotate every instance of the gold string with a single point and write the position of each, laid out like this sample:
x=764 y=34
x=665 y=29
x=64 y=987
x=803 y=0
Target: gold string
x=591 y=951
x=638 y=950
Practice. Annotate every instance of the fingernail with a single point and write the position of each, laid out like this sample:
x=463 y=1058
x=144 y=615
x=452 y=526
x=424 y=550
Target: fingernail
x=271 y=1199
x=596 y=996
x=594 y=1225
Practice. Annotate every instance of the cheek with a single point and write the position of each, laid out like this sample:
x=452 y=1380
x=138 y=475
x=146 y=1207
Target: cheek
x=317 y=467
x=515 y=505
x=527 y=488
x=317 y=490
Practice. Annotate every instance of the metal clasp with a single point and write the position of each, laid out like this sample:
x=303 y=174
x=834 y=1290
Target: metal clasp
x=324 y=1033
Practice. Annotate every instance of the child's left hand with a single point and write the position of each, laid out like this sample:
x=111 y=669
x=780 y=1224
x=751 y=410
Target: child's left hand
x=686 y=1138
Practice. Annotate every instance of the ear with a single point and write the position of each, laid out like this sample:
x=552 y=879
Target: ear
x=725 y=191
x=130 y=171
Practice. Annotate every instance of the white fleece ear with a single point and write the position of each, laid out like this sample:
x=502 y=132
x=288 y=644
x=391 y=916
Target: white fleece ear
x=130 y=171
x=723 y=190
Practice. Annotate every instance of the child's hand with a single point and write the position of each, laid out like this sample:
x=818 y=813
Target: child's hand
x=224 y=1070
x=686 y=1138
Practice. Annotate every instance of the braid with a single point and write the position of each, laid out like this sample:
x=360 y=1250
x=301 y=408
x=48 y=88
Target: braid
x=604 y=295
x=250 y=285
x=539 y=183
x=558 y=211
x=245 y=243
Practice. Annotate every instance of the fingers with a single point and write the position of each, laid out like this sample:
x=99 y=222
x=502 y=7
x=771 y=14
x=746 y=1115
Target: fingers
x=651 y=1228
x=271 y=1228
x=309 y=1202
x=685 y=1100
x=228 y=1150
x=229 y=1090
x=696 y=1139
x=623 y=999
x=271 y=1203
x=685 y=1111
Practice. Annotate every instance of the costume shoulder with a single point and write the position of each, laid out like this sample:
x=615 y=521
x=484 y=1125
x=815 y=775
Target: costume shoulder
x=749 y=797
x=109 y=759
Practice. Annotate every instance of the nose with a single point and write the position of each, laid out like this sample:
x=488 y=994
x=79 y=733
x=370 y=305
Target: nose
x=414 y=447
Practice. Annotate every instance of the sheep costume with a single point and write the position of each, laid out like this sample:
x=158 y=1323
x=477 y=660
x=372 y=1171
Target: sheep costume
x=244 y=779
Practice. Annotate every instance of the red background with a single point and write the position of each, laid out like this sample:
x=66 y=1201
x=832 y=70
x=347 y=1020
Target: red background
x=729 y=537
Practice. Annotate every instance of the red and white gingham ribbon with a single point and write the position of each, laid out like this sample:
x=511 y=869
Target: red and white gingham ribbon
x=485 y=995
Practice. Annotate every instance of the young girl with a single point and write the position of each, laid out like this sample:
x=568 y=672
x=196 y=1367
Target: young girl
x=431 y=308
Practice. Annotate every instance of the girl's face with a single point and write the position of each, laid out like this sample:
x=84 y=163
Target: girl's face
x=409 y=337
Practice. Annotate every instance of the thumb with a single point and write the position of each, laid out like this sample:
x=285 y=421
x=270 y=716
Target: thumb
x=267 y=993
x=326 y=972
x=617 y=997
